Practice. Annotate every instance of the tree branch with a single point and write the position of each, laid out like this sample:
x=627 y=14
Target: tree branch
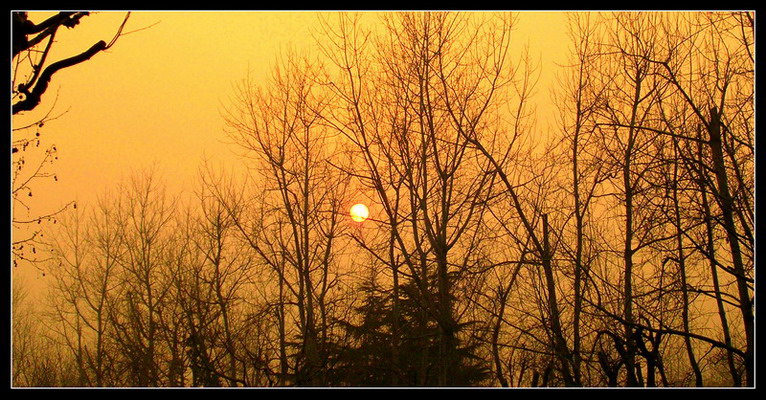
x=33 y=97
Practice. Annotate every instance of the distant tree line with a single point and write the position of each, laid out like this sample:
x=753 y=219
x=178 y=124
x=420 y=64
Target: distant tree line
x=614 y=250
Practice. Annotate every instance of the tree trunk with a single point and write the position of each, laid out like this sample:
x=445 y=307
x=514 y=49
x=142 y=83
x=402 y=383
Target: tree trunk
x=682 y=272
x=710 y=249
x=562 y=352
x=727 y=209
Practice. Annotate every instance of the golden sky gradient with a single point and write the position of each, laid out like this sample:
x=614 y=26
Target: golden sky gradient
x=639 y=226
x=157 y=95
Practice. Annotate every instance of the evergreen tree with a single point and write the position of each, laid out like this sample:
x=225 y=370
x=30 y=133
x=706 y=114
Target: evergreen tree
x=368 y=362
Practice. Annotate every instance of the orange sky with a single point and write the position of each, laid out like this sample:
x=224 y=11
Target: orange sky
x=156 y=96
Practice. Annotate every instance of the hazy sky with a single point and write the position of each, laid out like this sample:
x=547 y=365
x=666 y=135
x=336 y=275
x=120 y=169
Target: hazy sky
x=157 y=95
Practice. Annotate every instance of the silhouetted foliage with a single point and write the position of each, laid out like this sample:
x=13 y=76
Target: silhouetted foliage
x=368 y=361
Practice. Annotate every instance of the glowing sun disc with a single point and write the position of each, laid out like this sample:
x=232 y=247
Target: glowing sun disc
x=359 y=212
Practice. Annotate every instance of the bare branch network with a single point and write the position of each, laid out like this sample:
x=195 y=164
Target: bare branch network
x=616 y=249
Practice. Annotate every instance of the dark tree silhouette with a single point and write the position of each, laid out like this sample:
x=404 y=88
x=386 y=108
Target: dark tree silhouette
x=369 y=362
x=32 y=72
x=26 y=39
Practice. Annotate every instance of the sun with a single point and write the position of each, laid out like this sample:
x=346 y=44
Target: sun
x=359 y=212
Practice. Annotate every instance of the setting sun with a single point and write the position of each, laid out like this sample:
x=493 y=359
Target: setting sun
x=359 y=212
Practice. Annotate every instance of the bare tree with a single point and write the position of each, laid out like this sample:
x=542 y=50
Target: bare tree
x=280 y=127
x=613 y=250
x=705 y=62
x=406 y=97
x=578 y=98
x=145 y=216
x=212 y=270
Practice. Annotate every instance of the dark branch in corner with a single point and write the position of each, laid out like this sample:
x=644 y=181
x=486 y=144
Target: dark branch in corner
x=32 y=98
x=23 y=27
